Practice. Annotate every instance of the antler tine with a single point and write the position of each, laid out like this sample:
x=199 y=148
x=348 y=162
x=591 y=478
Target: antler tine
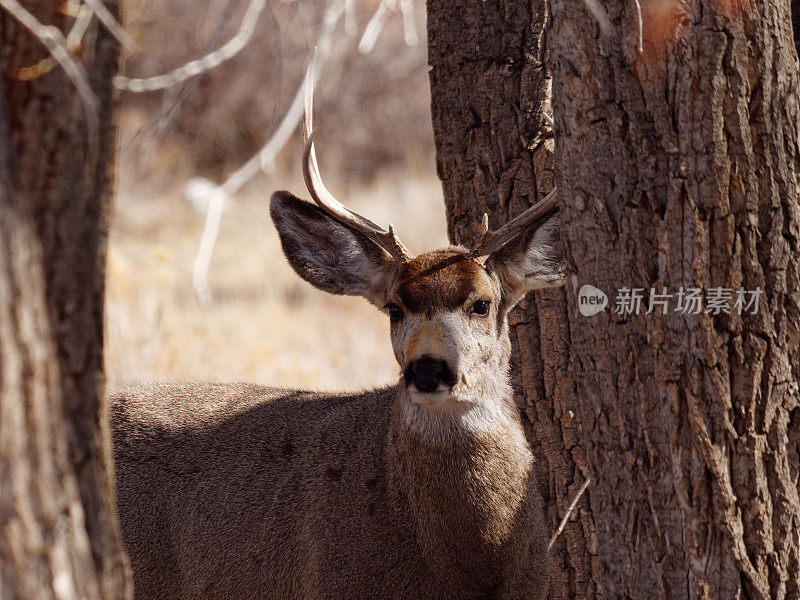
x=387 y=240
x=494 y=240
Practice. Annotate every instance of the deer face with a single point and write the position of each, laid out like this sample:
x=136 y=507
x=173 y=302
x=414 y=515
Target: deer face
x=446 y=320
x=447 y=309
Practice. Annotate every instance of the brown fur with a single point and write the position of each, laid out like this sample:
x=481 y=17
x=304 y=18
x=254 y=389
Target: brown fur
x=241 y=492
x=442 y=279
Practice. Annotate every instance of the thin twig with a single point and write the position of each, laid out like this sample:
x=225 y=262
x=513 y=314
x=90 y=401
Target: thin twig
x=569 y=512
x=201 y=65
x=160 y=121
x=409 y=22
x=549 y=120
x=641 y=27
x=71 y=8
x=106 y=18
x=374 y=27
x=218 y=196
x=83 y=16
x=350 y=23
x=52 y=38
x=82 y=21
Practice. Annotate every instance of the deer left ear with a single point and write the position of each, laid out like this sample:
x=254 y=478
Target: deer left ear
x=533 y=260
x=328 y=254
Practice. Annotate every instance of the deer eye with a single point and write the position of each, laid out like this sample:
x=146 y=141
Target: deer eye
x=395 y=312
x=481 y=308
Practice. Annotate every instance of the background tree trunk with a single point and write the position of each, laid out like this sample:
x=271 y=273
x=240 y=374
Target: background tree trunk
x=59 y=535
x=494 y=154
x=677 y=167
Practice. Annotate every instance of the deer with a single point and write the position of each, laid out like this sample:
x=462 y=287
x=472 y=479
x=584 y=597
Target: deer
x=424 y=489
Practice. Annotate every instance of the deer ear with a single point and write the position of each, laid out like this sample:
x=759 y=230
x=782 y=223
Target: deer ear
x=327 y=254
x=533 y=260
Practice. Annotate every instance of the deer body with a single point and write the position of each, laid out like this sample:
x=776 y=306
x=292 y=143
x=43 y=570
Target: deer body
x=244 y=492
x=423 y=490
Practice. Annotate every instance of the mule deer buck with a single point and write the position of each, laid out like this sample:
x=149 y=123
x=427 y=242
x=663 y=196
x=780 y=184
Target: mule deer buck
x=424 y=489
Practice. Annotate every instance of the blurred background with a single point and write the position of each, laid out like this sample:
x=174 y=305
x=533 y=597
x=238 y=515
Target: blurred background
x=259 y=321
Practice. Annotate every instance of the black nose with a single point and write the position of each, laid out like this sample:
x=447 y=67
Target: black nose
x=426 y=373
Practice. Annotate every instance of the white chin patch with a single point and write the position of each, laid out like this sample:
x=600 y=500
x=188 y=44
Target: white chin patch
x=443 y=415
x=435 y=400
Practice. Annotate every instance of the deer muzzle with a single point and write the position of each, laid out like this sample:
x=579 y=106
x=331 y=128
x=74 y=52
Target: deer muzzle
x=428 y=374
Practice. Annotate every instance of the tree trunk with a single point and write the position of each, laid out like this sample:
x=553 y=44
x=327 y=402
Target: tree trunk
x=677 y=167
x=494 y=155
x=59 y=536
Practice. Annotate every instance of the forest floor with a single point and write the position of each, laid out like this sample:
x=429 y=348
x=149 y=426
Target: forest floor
x=265 y=324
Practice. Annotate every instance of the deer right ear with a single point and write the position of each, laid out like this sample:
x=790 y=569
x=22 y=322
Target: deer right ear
x=327 y=254
x=533 y=260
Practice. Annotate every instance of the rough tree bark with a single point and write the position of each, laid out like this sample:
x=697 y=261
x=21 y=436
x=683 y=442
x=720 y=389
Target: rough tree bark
x=494 y=154
x=59 y=535
x=677 y=167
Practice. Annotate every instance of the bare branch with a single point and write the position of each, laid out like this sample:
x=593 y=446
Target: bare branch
x=569 y=512
x=641 y=28
x=52 y=38
x=219 y=195
x=201 y=65
x=83 y=16
x=374 y=28
x=82 y=20
x=160 y=121
x=350 y=24
x=106 y=18
x=71 y=8
x=409 y=22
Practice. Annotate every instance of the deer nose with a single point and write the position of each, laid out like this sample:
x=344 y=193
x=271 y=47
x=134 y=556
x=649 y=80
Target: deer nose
x=426 y=373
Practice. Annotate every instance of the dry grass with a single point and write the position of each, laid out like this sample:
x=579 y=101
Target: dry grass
x=265 y=325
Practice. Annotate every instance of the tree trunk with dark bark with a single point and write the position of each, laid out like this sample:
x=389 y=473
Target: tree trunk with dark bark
x=59 y=536
x=677 y=167
x=691 y=421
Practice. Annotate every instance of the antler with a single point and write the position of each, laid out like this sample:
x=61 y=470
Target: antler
x=494 y=240
x=387 y=240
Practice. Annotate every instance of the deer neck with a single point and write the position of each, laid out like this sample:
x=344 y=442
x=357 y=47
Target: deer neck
x=466 y=478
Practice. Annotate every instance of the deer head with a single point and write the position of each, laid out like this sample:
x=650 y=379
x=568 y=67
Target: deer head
x=448 y=308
